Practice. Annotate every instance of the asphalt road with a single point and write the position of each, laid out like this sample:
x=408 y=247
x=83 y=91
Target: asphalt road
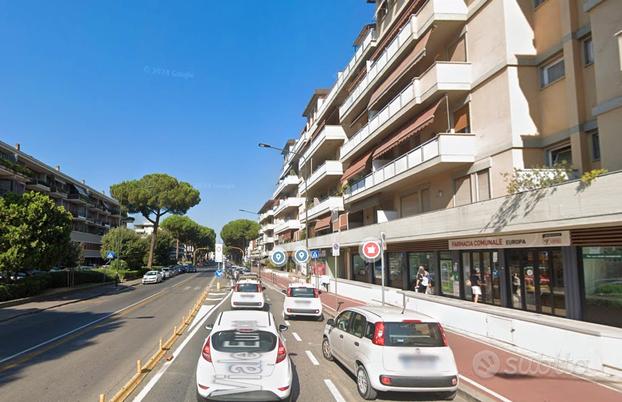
x=77 y=351
x=313 y=376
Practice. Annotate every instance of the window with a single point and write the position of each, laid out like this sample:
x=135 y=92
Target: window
x=343 y=321
x=462 y=195
x=250 y=340
x=483 y=185
x=450 y=276
x=461 y=120
x=358 y=325
x=602 y=270
x=536 y=3
x=595 y=146
x=397 y=266
x=588 y=52
x=552 y=72
x=410 y=205
x=416 y=260
x=413 y=334
x=561 y=155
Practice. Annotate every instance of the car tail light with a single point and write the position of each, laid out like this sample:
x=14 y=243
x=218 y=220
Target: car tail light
x=316 y=293
x=203 y=386
x=385 y=380
x=289 y=292
x=207 y=351
x=281 y=352
x=454 y=381
x=442 y=331
x=283 y=388
x=378 y=334
x=412 y=321
x=236 y=288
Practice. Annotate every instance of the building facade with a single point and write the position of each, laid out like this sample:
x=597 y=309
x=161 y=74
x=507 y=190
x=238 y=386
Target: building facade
x=447 y=112
x=94 y=213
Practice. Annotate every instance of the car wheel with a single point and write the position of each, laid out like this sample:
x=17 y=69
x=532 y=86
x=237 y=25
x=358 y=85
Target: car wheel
x=448 y=396
x=321 y=318
x=326 y=350
x=286 y=317
x=363 y=385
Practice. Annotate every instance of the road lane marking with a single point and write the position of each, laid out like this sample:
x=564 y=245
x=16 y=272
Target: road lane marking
x=296 y=337
x=204 y=309
x=197 y=287
x=487 y=390
x=287 y=323
x=143 y=393
x=187 y=287
x=334 y=391
x=312 y=358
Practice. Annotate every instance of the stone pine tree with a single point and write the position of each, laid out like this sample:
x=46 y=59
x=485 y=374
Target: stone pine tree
x=239 y=233
x=153 y=196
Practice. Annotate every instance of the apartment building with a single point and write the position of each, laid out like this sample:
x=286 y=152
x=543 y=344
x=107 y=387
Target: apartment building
x=94 y=213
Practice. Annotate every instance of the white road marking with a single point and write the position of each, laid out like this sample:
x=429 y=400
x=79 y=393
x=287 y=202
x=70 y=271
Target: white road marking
x=296 y=337
x=334 y=391
x=487 y=390
x=287 y=323
x=143 y=393
x=204 y=309
x=187 y=287
x=213 y=298
x=197 y=288
x=312 y=358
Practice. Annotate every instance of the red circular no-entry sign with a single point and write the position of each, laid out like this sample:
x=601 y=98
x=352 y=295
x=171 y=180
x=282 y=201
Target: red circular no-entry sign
x=370 y=250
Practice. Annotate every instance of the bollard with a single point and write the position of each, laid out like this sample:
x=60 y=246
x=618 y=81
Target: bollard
x=102 y=398
x=160 y=343
x=174 y=330
x=138 y=369
x=217 y=285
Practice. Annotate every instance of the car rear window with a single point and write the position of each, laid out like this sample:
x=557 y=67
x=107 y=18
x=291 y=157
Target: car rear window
x=412 y=334
x=152 y=273
x=301 y=292
x=235 y=341
x=247 y=287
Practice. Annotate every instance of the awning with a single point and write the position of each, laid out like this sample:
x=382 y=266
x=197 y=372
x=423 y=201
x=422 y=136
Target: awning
x=423 y=120
x=286 y=235
x=357 y=166
x=322 y=224
x=80 y=190
x=415 y=55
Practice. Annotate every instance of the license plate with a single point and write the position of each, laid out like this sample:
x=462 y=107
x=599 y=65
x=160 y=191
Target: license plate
x=422 y=361
x=303 y=302
x=246 y=296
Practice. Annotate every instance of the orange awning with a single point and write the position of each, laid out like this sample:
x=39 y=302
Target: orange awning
x=423 y=120
x=322 y=224
x=415 y=55
x=357 y=166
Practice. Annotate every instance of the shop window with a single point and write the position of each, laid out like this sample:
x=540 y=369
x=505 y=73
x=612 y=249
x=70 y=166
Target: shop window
x=552 y=72
x=595 y=146
x=461 y=120
x=562 y=155
x=416 y=260
x=588 y=52
x=462 y=194
x=450 y=275
x=466 y=274
x=397 y=267
x=602 y=285
x=483 y=185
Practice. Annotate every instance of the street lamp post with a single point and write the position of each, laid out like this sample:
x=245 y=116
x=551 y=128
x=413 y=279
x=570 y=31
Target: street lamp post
x=304 y=178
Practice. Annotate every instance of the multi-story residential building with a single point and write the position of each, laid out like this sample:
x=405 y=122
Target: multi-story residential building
x=445 y=101
x=144 y=228
x=94 y=213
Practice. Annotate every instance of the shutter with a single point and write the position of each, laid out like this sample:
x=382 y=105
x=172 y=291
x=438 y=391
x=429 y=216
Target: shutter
x=607 y=236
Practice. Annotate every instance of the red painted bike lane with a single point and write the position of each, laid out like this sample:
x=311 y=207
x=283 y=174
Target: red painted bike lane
x=494 y=372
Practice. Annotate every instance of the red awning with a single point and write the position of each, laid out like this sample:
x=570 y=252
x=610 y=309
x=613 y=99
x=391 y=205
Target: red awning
x=322 y=224
x=423 y=120
x=415 y=55
x=357 y=166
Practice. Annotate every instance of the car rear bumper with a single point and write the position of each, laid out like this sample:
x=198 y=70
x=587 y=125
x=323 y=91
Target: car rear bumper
x=245 y=396
x=417 y=384
x=310 y=312
x=247 y=304
x=150 y=281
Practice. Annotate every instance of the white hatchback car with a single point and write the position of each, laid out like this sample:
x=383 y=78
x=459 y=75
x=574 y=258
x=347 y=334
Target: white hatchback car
x=302 y=299
x=152 y=277
x=244 y=359
x=247 y=294
x=391 y=350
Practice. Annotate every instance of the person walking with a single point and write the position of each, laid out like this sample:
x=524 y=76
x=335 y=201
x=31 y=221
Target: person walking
x=116 y=280
x=476 y=290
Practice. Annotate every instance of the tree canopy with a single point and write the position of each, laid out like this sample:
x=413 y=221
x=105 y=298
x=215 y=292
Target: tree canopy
x=153 y=196
x=189 y=232
x=126 y=244
x=239 y=233
x=34 y=232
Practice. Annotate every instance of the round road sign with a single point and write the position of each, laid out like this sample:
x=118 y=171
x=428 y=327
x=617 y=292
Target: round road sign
x=301 y=255
x=370 y=250
x=278 y=257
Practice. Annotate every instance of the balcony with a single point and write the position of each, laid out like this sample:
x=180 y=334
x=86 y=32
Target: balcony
x=287 y=204
x=266 y=215
x=284 y=226
x=78 y=198
x=268 y=227
x=324 y=206
x=435 y=155
x=286 y=185
x=433 y=12
x=441 y=76
x=327 y=140
x=268 y=239
x=57 y=192
x=329 y=169
x=38 y=185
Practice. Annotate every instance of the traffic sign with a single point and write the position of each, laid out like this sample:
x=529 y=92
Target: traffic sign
x=278 y=257
x=315 y=254
x=336 y=249
x=218 y=253
x=301 y=255
x=219 y=274
x=110 y=255
x=370 y=250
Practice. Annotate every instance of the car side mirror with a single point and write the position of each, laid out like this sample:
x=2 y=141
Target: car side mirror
x=330 y=322
x=263 y=288
x=284 y=291
x=283 y=328
x=319 y=292
x=209 y=327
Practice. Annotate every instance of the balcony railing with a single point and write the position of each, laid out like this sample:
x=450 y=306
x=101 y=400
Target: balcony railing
x=290 y=224
x=441 y=76
x=290 y=180
x=328 y=168
x=290 y=202
x=326 y=205
x=39 y=184
x=451 y=148
x=328 y=133
x=266 y=215
x=78 y=197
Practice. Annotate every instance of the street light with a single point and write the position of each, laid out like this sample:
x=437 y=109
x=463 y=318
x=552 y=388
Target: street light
x=283 y=151
x=248 y=212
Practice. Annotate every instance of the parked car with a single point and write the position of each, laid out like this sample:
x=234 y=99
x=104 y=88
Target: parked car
x=247 y=294
x=152 y=277
x=250 y=276
x=392 y=350
x=302 y=299
x=166 y=273
x=249 y=345
x=191 y=268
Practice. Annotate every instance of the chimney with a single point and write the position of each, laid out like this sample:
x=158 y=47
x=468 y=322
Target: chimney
x=83 y=181
x=58 y=168
x=18 y=147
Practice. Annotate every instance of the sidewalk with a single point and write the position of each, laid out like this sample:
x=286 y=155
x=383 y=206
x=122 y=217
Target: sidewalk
x=58 y=297
x=498 y=374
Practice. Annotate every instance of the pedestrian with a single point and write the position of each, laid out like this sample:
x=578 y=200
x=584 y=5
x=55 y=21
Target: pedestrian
x=476 y=290
x=424 y=282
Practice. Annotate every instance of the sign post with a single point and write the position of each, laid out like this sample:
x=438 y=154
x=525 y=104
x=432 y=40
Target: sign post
x=383 y=244
x=336 y=251
x=218 y=255
x=371 y=251
x=301 y=256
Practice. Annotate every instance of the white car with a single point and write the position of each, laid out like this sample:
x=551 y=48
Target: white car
x=302 y=299
x=152 y=277
x=166 y=273
x=247 y=294
x=244 y=359
x=391 y=350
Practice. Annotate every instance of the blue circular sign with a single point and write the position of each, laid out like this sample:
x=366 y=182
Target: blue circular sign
x=301 y=255
x=278 y=257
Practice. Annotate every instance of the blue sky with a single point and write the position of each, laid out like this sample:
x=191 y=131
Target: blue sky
x=113 y=90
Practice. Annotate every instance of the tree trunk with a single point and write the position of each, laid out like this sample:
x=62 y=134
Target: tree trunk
x=177 y=251
x=154 y=238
